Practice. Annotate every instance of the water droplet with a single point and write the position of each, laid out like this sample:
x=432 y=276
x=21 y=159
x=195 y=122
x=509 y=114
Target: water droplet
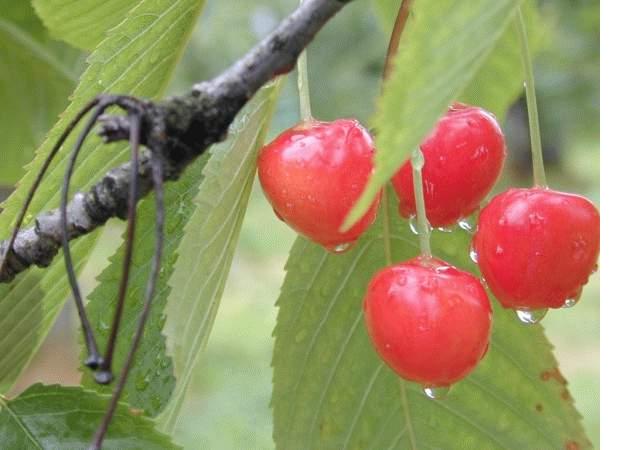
x=413 y=224
x=402 y=280
x=570 y=303
x=531 y=316
x=474 y=257
x=437 y=393
x=499 y=250
x=466 y=225
x=340 y=248
x=448 y=229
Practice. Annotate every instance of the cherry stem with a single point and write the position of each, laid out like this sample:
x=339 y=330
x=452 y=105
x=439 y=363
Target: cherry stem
x=304 y=86
x=396 y=34
x=424 y=231
x=385 y=226
x=538 y=167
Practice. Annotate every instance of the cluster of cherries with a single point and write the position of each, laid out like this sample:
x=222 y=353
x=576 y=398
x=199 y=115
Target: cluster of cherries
x=428 y=320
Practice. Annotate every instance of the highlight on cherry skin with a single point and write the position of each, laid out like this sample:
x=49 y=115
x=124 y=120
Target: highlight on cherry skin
x=463 y=158
x=536 y=249
x=313 y=173
x=429 y=321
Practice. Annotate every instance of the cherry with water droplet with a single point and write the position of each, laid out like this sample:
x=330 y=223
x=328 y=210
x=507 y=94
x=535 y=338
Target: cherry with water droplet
x=313 y=174
x=463 y=158
x=429 y=321
x=550 y=242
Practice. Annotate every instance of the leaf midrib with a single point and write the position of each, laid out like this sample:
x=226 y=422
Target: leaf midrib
x=16 y=418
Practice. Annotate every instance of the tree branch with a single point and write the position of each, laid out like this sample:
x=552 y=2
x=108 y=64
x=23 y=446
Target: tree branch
x=178 y=130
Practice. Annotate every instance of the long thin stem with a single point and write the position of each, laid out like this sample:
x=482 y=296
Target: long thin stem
x=385 y=226
x=104 y=375
x=424 y=231
x=157 y=176
x=396 y=34
x=538 y=167
x=304 y=86
x=94 y=358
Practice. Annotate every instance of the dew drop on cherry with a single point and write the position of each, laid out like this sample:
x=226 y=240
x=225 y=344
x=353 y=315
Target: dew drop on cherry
x=340 y=248
x=448 y=229
x=466 y=224
x=531 y=316
x=436 y=393
x=570 y=303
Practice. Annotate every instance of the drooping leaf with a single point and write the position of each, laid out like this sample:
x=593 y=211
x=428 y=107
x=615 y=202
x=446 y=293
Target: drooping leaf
x=331 y=390
x=210 y=236
x=136 y=58
x=151 y=380
x=35 y=82
x=443 y=46
x=83 y=23
x=58 y=417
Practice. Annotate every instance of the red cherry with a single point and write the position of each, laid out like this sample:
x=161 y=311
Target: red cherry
x=463 y=157
x=428 y=320
x=536 y=247
x=314 y=173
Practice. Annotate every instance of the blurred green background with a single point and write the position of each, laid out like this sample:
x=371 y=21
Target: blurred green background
x=228 y=403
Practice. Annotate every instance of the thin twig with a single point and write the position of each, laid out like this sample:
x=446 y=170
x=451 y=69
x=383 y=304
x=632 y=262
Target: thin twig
x=179 y=129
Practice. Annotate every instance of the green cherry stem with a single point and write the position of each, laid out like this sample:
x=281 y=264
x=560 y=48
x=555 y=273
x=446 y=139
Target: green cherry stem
x=538 y=167
x=304 y=86
x=424 y=231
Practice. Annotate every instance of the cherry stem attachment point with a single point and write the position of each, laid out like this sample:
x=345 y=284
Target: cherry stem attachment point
x=538 y=167
x=424 y=231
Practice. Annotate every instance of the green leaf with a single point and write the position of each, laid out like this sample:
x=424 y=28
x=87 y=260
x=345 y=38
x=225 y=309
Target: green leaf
x=57 y=417
x=34 y=86
x=136 y=58
x=331 y=390
x=83 y=23
x=443 y=46
x=151 y=379
x=206 y=251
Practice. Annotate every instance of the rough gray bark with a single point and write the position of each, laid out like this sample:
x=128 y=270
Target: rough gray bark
x=179 y=129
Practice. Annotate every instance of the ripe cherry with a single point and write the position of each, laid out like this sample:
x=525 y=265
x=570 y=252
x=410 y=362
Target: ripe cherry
x=463 y=157
x=428 y=320
x=536 y=247
x=314 y=173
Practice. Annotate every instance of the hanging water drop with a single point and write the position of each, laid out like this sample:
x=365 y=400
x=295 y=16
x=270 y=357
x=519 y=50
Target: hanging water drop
x=570 y=303
x=466 y=225
x=448 y=229
x=340 y=248
x=474 y=257
x=436 y=393
x=413 y=224
x=531 y=316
